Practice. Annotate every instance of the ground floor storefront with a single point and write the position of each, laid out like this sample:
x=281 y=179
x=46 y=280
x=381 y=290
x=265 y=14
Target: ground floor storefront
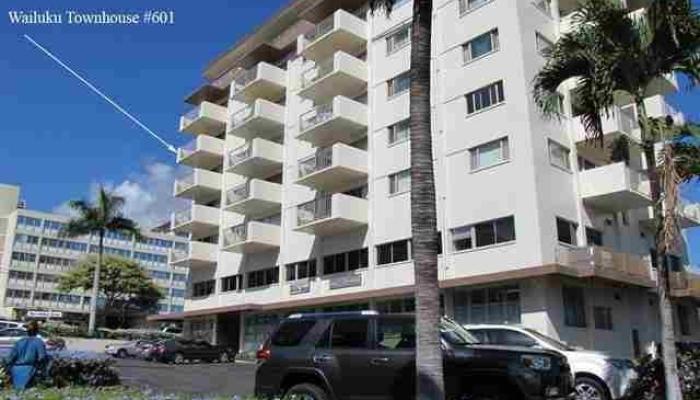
x=618 y=319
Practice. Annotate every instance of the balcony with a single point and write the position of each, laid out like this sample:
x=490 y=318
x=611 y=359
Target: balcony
x=203 y=152
x=254 y=198
x=264 y=81
x=263 y=119
x=199 y=254
x=601 y=262
x=687 y=216
x=258 y=158
x=341 y=74
x=342 y=120
x=340 y=31
x=615 y=187
x=205 y=119
x=621 y=121
x=200 y=184
x=684 y=284
x=252 y=237
x=198 y=220
x=333 y=168
x=332 y=214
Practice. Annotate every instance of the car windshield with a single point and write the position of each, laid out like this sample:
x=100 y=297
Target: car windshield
x=455 y=334
x=550 y=341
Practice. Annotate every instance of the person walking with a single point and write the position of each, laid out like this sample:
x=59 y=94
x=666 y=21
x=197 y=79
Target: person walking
x=27 y=356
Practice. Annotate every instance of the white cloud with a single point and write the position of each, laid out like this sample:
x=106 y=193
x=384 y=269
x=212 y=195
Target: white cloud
x=148 y=195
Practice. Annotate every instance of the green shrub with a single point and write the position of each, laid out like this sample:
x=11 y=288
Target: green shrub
x=62 y=372
x=650 y=384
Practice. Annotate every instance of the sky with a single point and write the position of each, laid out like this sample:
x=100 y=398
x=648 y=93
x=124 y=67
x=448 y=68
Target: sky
x=60 y=140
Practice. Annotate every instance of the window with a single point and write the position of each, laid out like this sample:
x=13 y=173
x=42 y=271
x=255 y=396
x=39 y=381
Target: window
x=485 y=97
x=301 y=270
x=585 y=165
x=559 y=155
x=566 y=231
x=481 y=45
x=495 y=305
x=602 y=318
x=510 y=338
x=398 y=39
x=405 y=305
x=394 y=252
x=349 y=333
x=489 y=154
x=396 y=333
x=341 y=262
x=231 y=283
x=28 y=239
x=469 y=5
x=544 y=45
x=574 y=306
x=27 y=257
x=594 y=237
x=263 y=277
x=683 y=320
x=28 y=221
x=398 y=84
x=177 y=292
x=291 y=332
x=204 y=288
x=483 y=234
x=400 y=182
x=399 y=132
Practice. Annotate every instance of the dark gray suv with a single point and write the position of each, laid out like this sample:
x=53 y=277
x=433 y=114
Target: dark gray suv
x=363 y=355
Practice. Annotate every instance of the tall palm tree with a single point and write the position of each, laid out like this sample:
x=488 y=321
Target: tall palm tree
x=429 y=382
x=103 y=216
x=616 y=56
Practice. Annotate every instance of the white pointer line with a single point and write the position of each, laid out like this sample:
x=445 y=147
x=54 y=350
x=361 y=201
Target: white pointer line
x=104 y=96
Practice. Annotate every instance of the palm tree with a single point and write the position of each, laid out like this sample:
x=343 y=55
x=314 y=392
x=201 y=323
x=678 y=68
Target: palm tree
x=429 y=382
x=97 y=219
x=615 y=56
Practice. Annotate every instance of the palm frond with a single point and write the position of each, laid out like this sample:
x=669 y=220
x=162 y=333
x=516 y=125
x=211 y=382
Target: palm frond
x=124 y=225
x=76 y=227
x=381 y=5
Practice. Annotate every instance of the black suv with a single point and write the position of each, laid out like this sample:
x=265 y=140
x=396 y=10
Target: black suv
x=364 y=355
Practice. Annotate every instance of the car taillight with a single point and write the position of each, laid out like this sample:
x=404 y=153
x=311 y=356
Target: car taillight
x=263 y=354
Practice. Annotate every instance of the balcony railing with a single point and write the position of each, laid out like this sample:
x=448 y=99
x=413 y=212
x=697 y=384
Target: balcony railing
x=179 y=254
x=314 y=210
x=193 y=113
x=240 y=154
x=589 y=259
x=185 y=182
x=242 y=116
x=316 y=116
x=318 y=72
x=188 y=149
x=182 y=217
x=236 y=234
x=321 y=28
x=246 y=77
x=238 y=193
x=322 y=159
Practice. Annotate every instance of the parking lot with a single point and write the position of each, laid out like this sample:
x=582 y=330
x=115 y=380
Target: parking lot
x=220 y=379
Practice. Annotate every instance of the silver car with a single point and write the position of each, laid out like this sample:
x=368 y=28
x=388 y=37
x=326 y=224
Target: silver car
x=128 y=349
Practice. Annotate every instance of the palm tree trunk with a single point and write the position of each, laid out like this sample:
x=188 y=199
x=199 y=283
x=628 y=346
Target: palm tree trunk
x=668 y=337
x=430 y=384
x=96 y=285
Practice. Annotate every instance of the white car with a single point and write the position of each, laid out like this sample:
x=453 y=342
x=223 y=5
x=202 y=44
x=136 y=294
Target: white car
x=598 y=376
x=8 y=337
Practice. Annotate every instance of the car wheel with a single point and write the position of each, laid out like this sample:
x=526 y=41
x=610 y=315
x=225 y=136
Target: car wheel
x=305 y=391
x=224 y=358
x=590 y=389
x=179 y=359
x=121 y=353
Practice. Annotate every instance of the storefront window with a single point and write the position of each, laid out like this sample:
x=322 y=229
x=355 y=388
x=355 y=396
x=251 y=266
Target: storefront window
x=256 y=329
x=495 y=305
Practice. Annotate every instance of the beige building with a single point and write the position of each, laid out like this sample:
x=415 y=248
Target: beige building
x=299 y=181
x=33 y=257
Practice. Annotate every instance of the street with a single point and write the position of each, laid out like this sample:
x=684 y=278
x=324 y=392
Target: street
x=220 y=379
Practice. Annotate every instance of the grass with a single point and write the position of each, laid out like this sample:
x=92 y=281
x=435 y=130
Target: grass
x=112 y=393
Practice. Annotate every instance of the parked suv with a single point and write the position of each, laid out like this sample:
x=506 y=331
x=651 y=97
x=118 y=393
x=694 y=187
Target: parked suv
x=597 y=375
x=358 y=355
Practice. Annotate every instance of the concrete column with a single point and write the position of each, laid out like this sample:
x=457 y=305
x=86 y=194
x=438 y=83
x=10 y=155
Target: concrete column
x=215 y=329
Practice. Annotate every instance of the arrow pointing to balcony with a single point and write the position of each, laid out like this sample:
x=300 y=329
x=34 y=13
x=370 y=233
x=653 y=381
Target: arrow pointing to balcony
x=92 y=87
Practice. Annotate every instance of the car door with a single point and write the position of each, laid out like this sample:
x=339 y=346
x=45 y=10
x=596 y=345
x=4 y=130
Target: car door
x=343 y=356
x=392 y=361
x=8 y=337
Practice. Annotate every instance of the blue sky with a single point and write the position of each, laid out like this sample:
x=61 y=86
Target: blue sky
x=59 y=139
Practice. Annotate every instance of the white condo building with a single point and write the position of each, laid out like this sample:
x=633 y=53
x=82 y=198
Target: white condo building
x=299 y=181
x=33 y=256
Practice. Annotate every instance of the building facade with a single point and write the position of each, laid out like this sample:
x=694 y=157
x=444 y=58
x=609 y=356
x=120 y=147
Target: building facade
x=300 y=182
x=33 y=257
